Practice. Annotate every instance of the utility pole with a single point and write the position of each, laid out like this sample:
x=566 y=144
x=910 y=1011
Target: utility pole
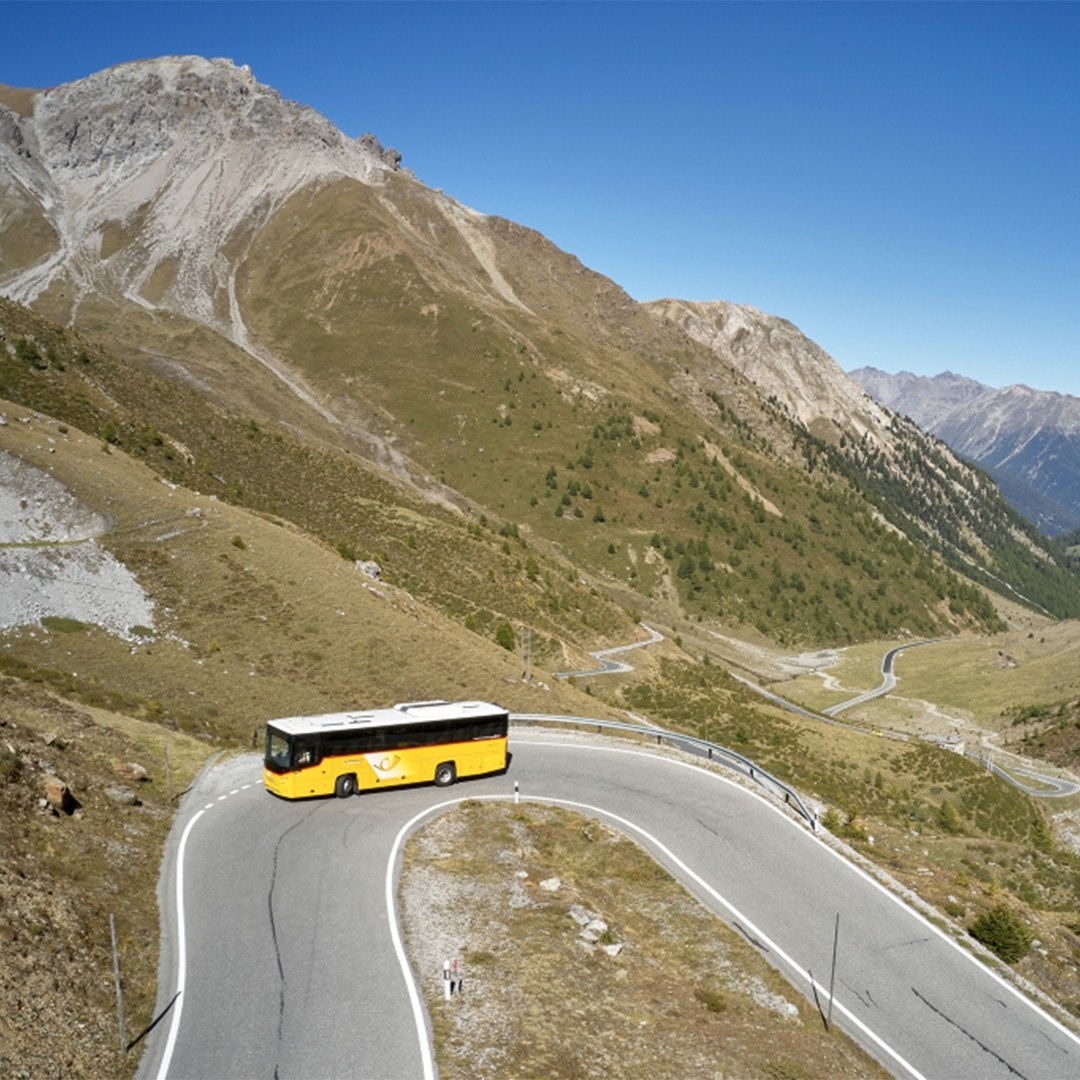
x=168 y=773
x=526 y=654
x=832 y=977
x=116 y=979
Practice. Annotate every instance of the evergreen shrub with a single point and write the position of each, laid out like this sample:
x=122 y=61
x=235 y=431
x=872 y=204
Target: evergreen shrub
x=1004 y=933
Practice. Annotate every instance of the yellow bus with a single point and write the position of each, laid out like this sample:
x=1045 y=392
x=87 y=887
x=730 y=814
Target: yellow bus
x=412 y=743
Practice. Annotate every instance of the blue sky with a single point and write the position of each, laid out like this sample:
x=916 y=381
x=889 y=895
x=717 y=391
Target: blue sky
x=901 y=181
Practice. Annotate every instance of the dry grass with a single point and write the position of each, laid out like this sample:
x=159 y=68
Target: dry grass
x=276 y=624
x=684 y=996
x=281 y=623
x=988 y=676
x=62 y=873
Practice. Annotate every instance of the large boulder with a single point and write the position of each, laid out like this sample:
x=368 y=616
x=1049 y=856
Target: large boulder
x=58 y=795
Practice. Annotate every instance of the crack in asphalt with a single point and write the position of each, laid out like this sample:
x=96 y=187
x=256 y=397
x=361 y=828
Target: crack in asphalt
x=708 y=828
x=274 y=936
x=905 y=944
x=863 y=995
x=963 y=1031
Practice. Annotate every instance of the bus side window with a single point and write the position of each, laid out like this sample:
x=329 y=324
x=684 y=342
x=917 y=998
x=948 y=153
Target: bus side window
x=307 y=753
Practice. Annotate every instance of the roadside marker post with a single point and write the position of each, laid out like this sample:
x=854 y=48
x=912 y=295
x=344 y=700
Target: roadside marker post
x=451 y=975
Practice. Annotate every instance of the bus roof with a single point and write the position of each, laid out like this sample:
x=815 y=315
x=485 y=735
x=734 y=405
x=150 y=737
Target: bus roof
x=415 y=712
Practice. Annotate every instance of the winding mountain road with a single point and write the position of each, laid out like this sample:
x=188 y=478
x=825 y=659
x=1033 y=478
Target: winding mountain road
x=280 y=953
x=1042 y=786
x=888 y=679
x=612 y=667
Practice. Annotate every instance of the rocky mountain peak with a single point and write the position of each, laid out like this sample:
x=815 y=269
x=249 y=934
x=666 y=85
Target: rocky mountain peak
x=133 y=112
x=137 y=176
x=926 y=401
x=785 y=364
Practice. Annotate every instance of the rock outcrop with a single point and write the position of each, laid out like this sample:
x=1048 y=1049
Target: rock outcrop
x=142 y=174
x=784 y=364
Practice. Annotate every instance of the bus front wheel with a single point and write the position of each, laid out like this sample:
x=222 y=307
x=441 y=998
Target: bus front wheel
x=345 y=786
x=445 y=774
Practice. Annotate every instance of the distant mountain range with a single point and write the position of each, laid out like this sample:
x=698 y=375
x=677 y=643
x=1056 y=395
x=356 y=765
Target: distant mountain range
x=695 y=460
x=1027 y=440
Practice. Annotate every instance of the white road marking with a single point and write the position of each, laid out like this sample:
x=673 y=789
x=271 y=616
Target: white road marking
x=426 y=1062
x=181 y=951
x=406 y=970
x=181 y=940
x=839 y=856
x=419 y=1015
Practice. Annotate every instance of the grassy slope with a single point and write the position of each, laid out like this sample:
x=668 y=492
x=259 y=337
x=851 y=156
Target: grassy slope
x=458 y=570
x=62 y=875
x=461 y=565
x=490 y=398
x=255 y=618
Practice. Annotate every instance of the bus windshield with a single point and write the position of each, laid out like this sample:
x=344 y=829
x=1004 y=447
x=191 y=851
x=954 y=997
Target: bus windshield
x=277 y=749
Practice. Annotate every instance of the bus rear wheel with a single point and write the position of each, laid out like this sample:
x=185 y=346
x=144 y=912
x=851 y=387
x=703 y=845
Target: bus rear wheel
x=445 y=774
x=345 y=786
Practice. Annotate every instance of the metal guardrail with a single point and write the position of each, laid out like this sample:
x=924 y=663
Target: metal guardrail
x=693 y=745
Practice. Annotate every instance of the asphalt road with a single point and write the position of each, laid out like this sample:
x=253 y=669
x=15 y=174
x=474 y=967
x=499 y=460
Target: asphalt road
x=612 y=667
x=285 y=963
x=888 y=679
x=1044 y=786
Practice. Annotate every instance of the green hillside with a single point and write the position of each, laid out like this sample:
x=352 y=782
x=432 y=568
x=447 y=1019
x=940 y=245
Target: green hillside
x=636 y=499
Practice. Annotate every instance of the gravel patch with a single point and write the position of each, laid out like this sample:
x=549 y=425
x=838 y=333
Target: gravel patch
x=51 y=563
x=35 y=507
